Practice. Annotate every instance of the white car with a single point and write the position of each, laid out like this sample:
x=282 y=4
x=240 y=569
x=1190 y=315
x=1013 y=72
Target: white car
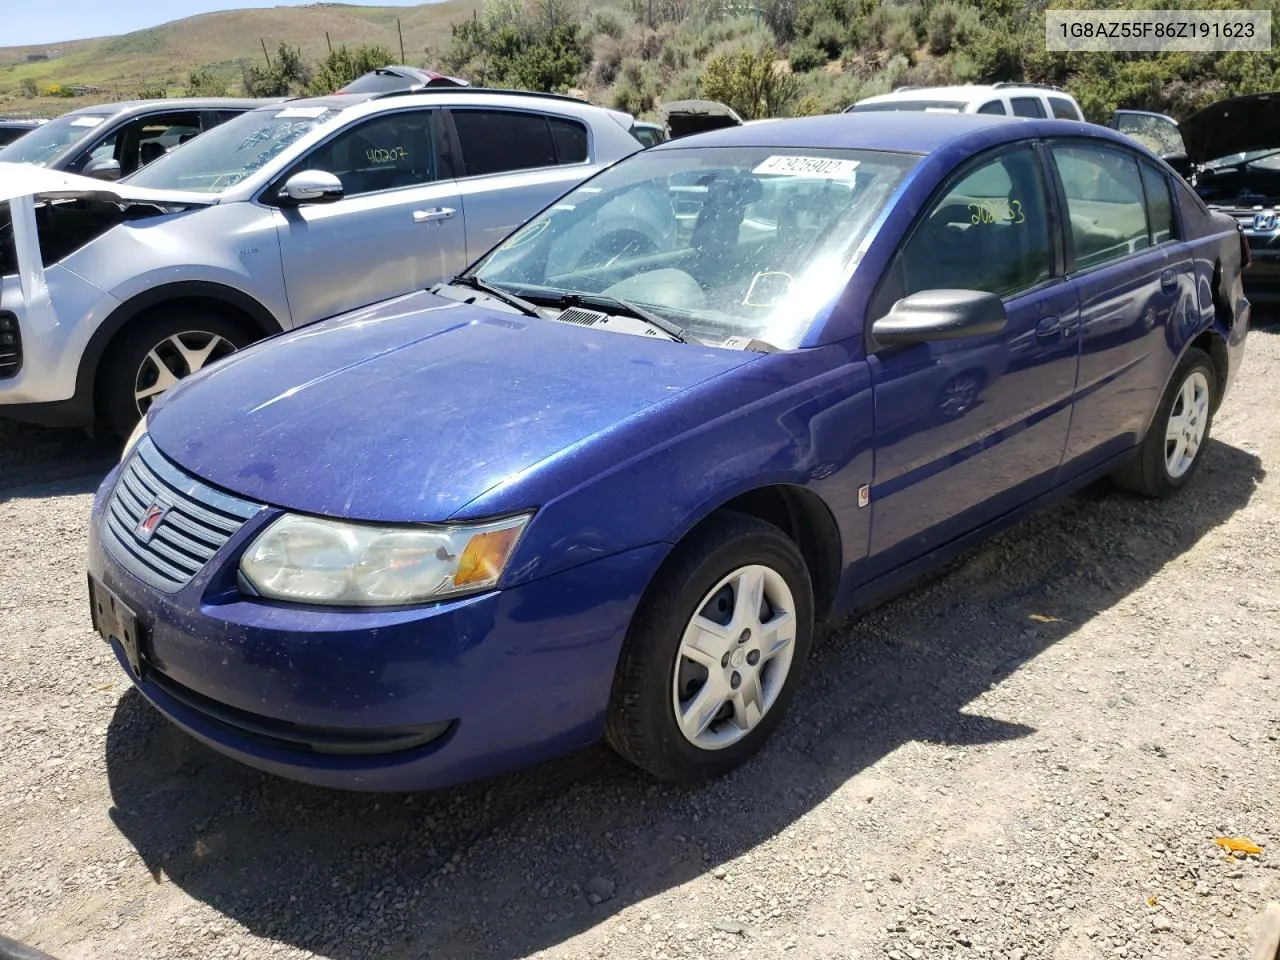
x=112 y=292
x=1002 y=99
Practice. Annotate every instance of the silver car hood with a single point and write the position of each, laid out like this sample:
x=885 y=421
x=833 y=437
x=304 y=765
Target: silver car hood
x=28 y=180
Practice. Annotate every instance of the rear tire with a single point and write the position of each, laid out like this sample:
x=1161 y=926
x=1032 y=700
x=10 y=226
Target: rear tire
x=1179 y=432
x=153 y=355
x=713 y=657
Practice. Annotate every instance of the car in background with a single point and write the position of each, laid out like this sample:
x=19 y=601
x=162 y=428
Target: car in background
x=1029 y=100
x=1230 y=153
x=683 y=118
x=649 y=134
x=11 y=130
x=279 y=217
x=396 y=77
x=563 y=498
x=114 y=140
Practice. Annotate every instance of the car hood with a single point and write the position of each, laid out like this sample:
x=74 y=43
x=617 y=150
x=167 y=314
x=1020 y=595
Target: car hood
x=1235 y=125
x=28 y=180
x=410 y=409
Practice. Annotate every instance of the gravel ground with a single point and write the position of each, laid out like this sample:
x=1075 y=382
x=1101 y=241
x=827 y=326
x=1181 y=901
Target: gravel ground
x=1029 y=757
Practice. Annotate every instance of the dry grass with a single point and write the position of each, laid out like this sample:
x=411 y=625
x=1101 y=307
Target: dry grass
x=163 y=56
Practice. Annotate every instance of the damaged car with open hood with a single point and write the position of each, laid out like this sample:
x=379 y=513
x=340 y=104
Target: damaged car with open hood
x=1230 y=153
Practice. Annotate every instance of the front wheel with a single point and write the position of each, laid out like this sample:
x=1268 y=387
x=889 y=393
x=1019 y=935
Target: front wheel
x=715 y=652
x=1179 y=433
x=150 y=358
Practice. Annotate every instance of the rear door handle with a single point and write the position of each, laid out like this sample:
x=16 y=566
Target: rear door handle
x=1168 y=280
x=435 y=213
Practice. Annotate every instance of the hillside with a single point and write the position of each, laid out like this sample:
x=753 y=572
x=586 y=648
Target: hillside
x=161 y=57
x=763 y=57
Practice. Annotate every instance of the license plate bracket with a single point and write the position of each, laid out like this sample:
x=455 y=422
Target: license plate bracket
x=114 y=620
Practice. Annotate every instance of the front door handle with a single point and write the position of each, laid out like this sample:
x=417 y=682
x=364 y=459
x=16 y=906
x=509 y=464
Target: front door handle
x=1168 y=280
x=1048 y=327
x=435 y=213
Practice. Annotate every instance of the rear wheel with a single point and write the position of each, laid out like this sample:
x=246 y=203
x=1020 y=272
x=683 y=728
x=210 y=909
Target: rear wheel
x=1179 y=433
x=150 y=358
x=715 y=653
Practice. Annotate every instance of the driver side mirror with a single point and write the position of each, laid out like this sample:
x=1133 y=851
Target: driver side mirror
x=940 y=315
x=104 y=168
x=310 y=186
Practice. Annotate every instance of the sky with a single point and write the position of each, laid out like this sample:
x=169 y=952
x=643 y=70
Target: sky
x=23 y=23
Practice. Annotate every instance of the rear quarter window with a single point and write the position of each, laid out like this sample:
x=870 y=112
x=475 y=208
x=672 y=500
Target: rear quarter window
x=1063 y=109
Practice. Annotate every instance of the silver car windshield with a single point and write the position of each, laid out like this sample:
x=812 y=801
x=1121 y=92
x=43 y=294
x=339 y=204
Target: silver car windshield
x=232 y=151
x=48 y=140
x=723 y=241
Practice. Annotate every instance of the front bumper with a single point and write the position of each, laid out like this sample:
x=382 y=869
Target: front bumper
x=486 y=683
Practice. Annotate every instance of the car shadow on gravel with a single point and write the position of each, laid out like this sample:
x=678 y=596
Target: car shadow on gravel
x=41 y=462
x=503 y=868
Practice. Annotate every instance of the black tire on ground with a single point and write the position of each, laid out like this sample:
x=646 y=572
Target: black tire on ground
x=1148 y=473
x=118 y=373
x=641 y=723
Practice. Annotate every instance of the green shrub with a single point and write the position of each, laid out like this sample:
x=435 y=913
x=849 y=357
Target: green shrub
x=829 y=35
x=949 y=25
x=343 y=65
x=804 y=56
x=749 y=83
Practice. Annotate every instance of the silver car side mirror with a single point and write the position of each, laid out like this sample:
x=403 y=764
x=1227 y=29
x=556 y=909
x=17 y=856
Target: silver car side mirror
x=311 y=186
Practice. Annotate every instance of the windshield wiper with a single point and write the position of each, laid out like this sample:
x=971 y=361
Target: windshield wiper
x=675 y=331
x=510 y=299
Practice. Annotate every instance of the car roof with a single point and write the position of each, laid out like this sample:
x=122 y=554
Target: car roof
x=344 y=101
x=963 y=92
x=901 y=132
x=174 y=103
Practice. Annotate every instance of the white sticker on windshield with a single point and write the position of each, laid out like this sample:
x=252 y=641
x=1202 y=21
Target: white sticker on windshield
x=86 y=121
x=307 y=112
x=824 y=168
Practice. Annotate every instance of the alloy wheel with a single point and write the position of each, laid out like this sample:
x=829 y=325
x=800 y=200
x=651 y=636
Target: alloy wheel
x=1188 y=419
x=734 y=657
x=173 y=358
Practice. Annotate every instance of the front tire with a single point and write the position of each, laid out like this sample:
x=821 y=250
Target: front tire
x=151 y=357
x=715 y=652
x=1179 y=432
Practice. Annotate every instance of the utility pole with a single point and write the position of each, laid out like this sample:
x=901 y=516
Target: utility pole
x=328 y=42
x=650 y=14
x=264 y=51
x=401 y=32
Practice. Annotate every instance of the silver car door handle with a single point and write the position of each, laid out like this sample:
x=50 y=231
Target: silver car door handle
x=435 y=213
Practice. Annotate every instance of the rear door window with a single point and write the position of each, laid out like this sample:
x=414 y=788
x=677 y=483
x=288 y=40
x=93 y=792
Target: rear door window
x=1105 y=203
x=499 y=141
x=994 y=106
x=1027 y=106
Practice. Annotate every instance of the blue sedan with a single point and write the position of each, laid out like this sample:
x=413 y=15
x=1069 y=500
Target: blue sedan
x=605 y=482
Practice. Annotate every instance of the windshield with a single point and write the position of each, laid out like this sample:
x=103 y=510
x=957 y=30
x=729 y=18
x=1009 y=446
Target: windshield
x=1268 y=157
x=928 y=106
x=48 y=140
x=725 y=242
x=229 y=153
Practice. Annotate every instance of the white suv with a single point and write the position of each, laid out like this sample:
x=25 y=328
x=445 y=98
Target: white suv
x=112 y=292
x=1003 y=99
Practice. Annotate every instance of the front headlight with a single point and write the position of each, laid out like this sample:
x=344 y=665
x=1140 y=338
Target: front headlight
x=310 y=560
x=139 y=432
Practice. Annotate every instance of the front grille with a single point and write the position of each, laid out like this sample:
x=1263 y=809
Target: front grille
x=195 y=520
x=10 y=345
